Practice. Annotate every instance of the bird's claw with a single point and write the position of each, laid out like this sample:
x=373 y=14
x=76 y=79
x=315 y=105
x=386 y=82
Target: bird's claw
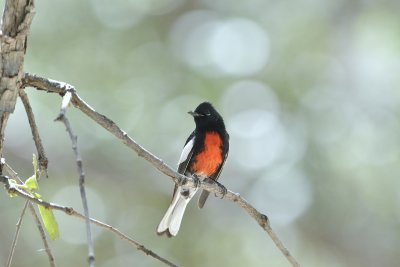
x=196 y=181
x=223 y=189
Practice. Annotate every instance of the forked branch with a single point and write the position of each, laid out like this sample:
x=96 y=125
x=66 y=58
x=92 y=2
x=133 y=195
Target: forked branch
x=74 y=140
x=70 y=211
x=62 y=88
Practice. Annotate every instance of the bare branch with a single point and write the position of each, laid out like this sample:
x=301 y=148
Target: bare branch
x=74 y=139
x=59 y=87
x=70 y=211
x=15 y=176
x=43 y=161
x=42 y=235
x=130 y=240
x=14 y=243
x=65 y=102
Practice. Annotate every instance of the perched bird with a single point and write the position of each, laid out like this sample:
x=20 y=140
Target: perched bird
x=203 y=156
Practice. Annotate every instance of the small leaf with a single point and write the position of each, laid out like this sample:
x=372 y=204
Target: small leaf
x=22 y=187
x=36 y=195
x=49 y=222
x=31 y=183
x=12 y=194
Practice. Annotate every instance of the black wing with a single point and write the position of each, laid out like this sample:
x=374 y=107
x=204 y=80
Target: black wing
x=183 y=163
x=215 y=176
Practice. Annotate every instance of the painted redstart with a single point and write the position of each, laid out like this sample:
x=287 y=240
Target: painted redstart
x=203 y=156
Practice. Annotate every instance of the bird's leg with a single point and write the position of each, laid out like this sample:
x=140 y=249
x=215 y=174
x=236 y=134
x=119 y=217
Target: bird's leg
x=196 y=180
x=223 y=188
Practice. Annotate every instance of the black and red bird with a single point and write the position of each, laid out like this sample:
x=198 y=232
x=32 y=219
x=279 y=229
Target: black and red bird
x=203 y=156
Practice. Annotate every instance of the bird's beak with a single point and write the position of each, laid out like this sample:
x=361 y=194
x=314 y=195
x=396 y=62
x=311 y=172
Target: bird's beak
x=194 y=114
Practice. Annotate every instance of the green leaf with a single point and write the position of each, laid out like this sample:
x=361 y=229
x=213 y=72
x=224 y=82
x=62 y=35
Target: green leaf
x=12 y=195
x=31 y=183
x=36 y=195
x=49 y=222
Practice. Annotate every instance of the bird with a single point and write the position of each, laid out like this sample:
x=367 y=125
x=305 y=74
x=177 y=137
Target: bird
x=203 y=156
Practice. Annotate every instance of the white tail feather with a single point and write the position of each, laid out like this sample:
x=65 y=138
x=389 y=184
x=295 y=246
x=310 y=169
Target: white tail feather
x=177 y=215
x=174 y=214
x=164 y=224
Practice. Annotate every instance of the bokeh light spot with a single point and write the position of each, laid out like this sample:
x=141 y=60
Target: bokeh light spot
x=239 y=47
x=119 y=13
x=284 y=192
x=215 y=46
x=71 y=229
x=253 y=123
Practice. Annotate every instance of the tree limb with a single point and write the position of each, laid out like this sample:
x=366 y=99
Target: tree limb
x=15 y=239
x=70 y=211
x=43 y=161
x=42 y=235
x=16 y=21
x=39 y=225
x=74 y=139
x=61 y=88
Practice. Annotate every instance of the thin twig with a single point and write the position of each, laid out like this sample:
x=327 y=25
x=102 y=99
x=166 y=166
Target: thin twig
x=60 y=88
x=42 y=235
x=65 y=102
x=74 y=139
x=43 y=161
x=15 y=176
x=14 y=243
x=70 y=211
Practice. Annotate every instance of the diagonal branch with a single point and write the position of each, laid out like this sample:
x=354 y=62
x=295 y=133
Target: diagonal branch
x=42 y=235
x=43 y=161
x=60 y=88
x=14 y=242
x=74 y=139
x=39 y=225
x=70 y=211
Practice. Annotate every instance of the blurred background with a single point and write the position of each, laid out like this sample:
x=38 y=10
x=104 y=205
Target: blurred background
x=310 y=95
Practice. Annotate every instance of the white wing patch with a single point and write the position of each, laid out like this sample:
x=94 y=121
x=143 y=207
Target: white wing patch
x=186 y=151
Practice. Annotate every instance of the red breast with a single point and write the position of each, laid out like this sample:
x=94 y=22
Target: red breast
x=207 y=161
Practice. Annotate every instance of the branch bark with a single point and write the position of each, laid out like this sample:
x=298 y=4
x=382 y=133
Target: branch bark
x=17 y=18
x=43 y=161
x=61 y=88
x=15 y=239
x=74 y=139
x=42 y=233
x=7 y=168
x=70 y=211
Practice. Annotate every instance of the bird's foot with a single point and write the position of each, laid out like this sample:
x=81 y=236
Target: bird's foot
x=196 y=181
x=223 y=189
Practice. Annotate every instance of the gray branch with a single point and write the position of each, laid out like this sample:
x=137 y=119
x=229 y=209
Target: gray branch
x=60 y=88
x=70 y=211
x=74 y=139
x=15 y=239
x=42 y=235
x=43 y=161
x=39 y=225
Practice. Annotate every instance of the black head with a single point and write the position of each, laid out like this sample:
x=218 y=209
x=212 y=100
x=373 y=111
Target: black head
x=205 y=116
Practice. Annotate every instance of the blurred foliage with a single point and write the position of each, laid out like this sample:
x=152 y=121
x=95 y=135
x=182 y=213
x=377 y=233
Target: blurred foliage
x=310 y=94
